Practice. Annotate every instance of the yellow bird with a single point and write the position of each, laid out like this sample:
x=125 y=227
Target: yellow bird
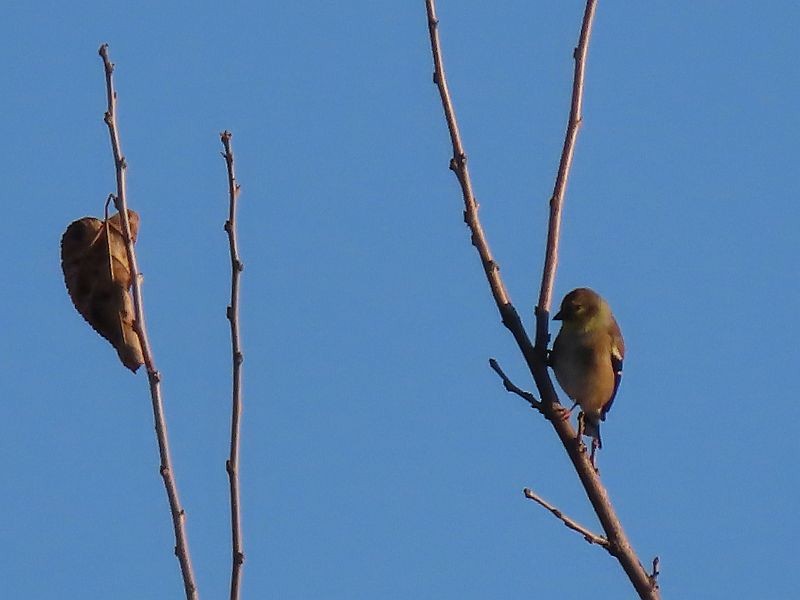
x=587 y=357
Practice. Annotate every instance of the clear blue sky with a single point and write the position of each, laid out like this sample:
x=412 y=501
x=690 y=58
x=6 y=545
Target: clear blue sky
x=381 y=457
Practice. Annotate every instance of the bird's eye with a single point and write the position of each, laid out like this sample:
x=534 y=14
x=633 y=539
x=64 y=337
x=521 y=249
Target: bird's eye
x=577 y=307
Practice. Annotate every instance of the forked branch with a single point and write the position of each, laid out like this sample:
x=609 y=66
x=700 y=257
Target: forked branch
x=536 y=356
x=232 y=312
x=153 y=376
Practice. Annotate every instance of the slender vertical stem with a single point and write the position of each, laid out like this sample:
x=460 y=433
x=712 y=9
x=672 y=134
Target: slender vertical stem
x=565 y=164
x=153 y=376
x=232 y=464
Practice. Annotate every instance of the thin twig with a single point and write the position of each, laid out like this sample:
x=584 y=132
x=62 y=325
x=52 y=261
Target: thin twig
x=232 y=312
x=557 y=201
x=655 y=572
x=536 y=358
x=458 y=164
x=511 y=387
x=589 y=536
x=153 y=376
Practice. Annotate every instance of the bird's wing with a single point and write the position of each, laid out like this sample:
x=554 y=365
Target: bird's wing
x=617 y=355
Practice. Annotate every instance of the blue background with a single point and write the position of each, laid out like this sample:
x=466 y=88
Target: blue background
x=380 y=455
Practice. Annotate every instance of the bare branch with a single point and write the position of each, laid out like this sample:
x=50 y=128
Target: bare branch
x=557 y=201
x=590 y=537
x=536 y=357
x=232 y=464
x=510 y=387
x=153 y=376
x=458 y=164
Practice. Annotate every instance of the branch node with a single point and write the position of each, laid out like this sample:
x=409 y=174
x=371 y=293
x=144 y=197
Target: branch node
x=655 y=573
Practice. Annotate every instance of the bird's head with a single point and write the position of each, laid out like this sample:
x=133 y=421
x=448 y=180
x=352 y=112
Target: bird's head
x=581 y=307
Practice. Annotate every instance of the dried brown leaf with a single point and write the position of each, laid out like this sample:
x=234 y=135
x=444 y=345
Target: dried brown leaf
x=98 y=277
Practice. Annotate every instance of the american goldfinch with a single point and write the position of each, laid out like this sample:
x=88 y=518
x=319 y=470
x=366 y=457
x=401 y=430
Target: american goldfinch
x=587 y=357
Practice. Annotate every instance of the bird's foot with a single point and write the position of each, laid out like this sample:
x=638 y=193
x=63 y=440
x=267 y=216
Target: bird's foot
x=563 y=413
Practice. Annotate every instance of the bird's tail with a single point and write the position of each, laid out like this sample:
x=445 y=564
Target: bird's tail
x=591 y=428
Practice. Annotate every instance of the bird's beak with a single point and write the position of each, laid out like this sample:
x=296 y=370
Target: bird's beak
x=558 y=317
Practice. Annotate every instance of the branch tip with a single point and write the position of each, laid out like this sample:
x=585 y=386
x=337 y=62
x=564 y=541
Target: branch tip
x=655 y=572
